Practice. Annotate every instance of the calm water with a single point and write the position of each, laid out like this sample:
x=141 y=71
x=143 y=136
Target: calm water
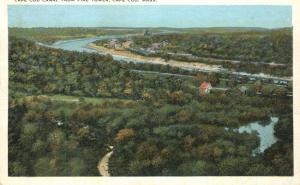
x=80 y=45
x=264 y=132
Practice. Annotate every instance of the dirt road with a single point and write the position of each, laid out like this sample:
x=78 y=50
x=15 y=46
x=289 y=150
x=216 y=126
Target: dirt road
x=157 y=60
x=103 y=166
x=180 y=64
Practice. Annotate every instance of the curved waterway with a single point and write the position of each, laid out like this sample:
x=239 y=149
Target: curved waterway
x=265 y=133
x=81 y=45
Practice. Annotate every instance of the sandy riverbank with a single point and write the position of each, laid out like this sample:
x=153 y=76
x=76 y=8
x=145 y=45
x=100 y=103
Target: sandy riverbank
x=157 y=60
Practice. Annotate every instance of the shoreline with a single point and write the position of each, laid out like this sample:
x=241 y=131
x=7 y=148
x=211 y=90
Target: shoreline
x=180 y=64
x=157 y=60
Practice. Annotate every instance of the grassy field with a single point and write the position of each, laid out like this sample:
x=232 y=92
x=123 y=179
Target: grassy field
x=67 y=104
x=87 y=99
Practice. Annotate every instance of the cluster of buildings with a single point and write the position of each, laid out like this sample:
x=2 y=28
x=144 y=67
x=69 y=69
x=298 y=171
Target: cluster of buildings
x=155 y=47
x=206 y=87
x=119 y=45
x=244 y=79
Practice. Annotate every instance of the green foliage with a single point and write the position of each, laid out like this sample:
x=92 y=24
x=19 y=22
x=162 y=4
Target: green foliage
x=45 y=167
x=234 y=166
x=77 y=166
x=284 y=129
x=17 y=169
x=157 y=124
x=249 y=47
x=198 y=168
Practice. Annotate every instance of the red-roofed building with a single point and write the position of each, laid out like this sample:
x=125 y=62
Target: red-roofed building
x=205 y=88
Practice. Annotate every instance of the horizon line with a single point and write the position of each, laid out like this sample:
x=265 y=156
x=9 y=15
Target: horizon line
x=138 y=27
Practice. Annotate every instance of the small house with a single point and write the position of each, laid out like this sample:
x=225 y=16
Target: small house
x=115 y=44
x=243 y=89
x=156 y=46
x=252 y=79
x=205 y=88
x=164 y=43
x=147 y=33
x=275 y=81
x=112 y=43
x=283 y=82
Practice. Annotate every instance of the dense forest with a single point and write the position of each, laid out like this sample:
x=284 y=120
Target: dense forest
x=158 y=125
x=254 y=49
x=260 y=46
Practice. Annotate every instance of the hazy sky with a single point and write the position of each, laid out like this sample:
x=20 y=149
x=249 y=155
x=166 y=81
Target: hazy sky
x=149 y=16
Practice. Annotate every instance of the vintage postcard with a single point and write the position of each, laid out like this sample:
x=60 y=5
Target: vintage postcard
x=142 y=89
